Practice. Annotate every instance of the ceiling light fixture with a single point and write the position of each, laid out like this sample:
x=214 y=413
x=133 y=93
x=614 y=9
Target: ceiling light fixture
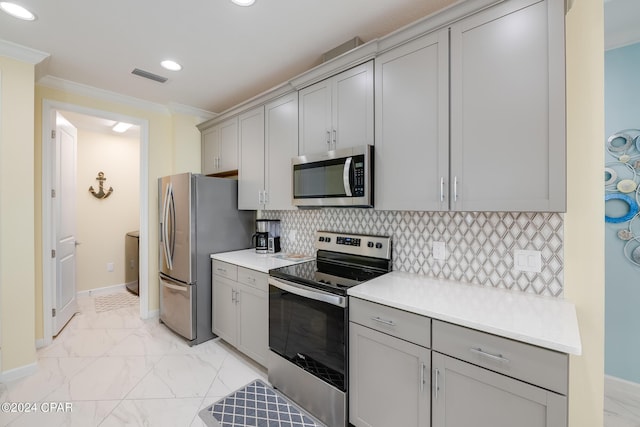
x=17 y=11
x=171 y=65
x=243 y=2
x=121 y=127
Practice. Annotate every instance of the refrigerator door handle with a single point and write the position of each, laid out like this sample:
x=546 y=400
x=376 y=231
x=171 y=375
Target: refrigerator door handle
x=165 y=229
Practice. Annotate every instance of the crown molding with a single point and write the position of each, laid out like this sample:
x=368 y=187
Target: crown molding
x=101 y=94
x=202 y=115
x=21 y=53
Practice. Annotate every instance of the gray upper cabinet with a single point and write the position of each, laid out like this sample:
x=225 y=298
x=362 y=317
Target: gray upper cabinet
x=412 y=125
x=337 y=112
x=472 y=117
x=251 y=163
x=281 y=133
x=267 y=142
x=508 y=108
x=220 y=147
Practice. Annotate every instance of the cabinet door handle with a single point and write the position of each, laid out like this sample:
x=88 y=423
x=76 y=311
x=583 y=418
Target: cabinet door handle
x=441 y=189
x=383 y=321
x=251 y=279
x=259 y=197
x=222 y=270
x=335 y=138
x=233 y=296
x=422 y=368
x=436 y=383
x=455 y=188
x=265 y=197
x=329 y=139
x=496 y=357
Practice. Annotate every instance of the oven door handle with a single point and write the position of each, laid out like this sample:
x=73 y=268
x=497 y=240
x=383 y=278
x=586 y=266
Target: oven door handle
x=306 y=292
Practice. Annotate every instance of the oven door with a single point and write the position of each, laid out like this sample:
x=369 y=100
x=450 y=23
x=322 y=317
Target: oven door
x=308 y=327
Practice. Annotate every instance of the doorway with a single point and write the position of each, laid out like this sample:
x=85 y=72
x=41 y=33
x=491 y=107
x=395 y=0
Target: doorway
x=50 y=108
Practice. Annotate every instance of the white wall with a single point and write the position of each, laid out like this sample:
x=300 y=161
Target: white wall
x=102 y=224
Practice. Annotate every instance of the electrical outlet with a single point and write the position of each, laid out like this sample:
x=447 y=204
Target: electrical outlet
x=110 y=267
x=292 y=235
x=530 y=261
x=439 y=250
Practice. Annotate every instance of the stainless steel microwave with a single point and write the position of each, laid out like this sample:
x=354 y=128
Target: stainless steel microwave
x=336 y=178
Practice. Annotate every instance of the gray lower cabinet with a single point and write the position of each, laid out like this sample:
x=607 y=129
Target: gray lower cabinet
x=389 y=378
x=486 y=380
x=466 y=395
x=241 y=309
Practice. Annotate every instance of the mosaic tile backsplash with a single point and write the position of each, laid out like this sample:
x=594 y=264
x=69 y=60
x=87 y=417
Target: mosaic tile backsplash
x=479 y=245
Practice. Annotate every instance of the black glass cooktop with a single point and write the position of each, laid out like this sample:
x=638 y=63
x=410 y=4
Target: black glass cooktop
x=334 y=273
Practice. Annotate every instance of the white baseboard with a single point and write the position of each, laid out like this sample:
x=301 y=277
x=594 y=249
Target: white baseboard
x=153 y=313
x=17 y=373
x=40 y=342
x=618 y=385
x=102 y=291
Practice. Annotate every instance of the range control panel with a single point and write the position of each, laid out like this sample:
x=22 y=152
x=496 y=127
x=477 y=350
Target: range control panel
x=357 y=244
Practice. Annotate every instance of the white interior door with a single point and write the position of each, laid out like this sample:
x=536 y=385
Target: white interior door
x=65 y=304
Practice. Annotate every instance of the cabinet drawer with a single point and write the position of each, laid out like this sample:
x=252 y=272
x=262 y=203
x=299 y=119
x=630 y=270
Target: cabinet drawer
x=526 y=362
x=224 y=269
x=253 y=278
x=398 y=323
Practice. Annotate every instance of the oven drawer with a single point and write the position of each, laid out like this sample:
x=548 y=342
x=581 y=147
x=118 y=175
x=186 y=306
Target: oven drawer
x=526 y=362
x=224 y=269
x=253 y=278
x=398 y=323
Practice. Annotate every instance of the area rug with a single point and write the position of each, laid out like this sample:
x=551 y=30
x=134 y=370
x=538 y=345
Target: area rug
x=114 y=301
x=256 y=404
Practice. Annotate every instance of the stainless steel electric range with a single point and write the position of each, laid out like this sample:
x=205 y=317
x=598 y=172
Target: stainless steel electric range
x=309 y=320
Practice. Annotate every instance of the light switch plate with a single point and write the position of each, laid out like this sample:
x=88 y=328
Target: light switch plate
x=524 y=260
x=439 y=250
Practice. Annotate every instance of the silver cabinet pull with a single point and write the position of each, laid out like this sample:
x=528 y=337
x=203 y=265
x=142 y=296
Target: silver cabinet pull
x=335 y=139
x=251 y=279
x=383 y=321
x=233 y=296
x=455 y=188
x=496 y=357
x=222 y=270
x=422 y=380
x=329 y=139
x=436 y=385
x=441 y=189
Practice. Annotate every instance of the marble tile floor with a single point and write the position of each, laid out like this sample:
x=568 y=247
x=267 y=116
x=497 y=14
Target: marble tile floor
x=621 y=404
x=114 y=369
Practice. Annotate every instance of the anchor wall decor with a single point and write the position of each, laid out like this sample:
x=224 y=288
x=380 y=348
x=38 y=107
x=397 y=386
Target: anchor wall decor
x=101 y=194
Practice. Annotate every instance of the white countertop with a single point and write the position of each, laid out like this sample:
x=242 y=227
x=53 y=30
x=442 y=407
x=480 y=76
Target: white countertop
x=248 y=258
x=543 y=321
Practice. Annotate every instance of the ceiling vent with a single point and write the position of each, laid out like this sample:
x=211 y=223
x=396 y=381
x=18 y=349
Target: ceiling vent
x=339 y=50
x=149 y=75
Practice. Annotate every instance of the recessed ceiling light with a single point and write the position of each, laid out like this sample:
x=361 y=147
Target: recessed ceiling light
x=17 y=11
x=121 y=127
x=243 y=2
x=171 y=65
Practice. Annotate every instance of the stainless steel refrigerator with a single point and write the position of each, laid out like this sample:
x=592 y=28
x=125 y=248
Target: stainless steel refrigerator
x=198 y=216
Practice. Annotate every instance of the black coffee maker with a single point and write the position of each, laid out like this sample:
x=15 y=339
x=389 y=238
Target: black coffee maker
x=267 y=236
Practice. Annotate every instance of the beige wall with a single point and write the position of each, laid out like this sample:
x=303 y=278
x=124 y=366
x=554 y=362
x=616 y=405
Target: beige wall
x=103 y=223
x=584 y=220
x=186 y=147
x=17 y=277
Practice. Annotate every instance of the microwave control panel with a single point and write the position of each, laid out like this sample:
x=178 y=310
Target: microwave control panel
x=358 y=176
